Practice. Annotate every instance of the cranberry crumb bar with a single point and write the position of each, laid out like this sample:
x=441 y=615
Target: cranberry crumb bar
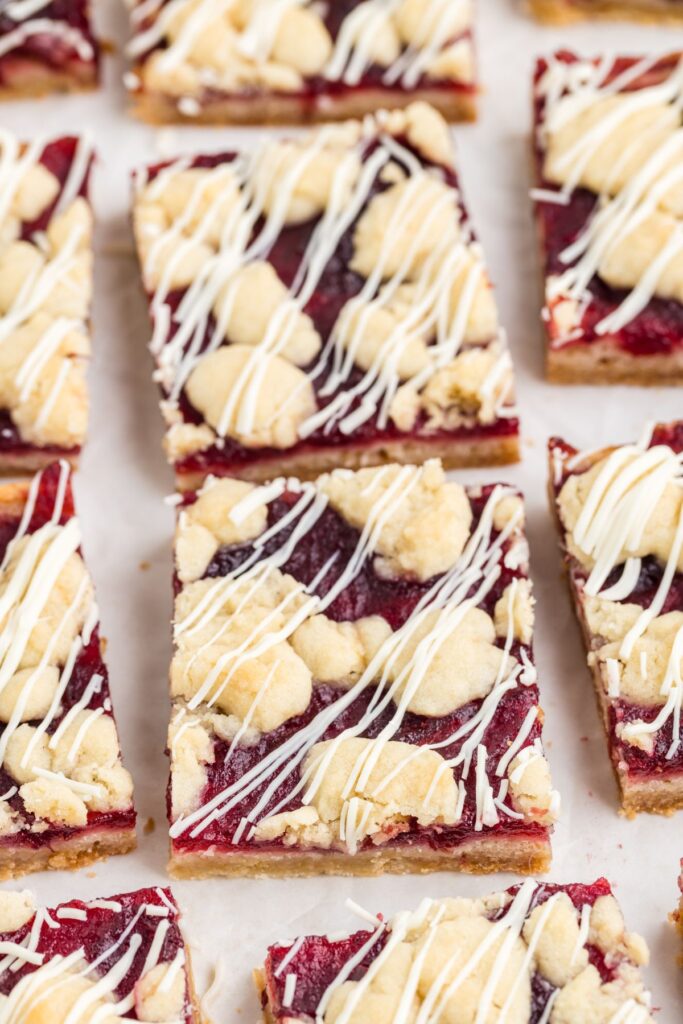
x=269 y=61
x=45 y=290
x=534 y=954
x=323 y=302
x=353 y=679
x=620 y=514
x=46 y=46
x=609 y=205
x=107 y=961
x=562 y=12
x=65 y=799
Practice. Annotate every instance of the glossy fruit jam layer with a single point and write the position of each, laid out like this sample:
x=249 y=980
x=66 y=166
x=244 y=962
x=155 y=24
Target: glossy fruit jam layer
x=88 y=663
x=135 y=916
x=319 y=959
x=337 y=285
x=658 y=329
x=639 y=762
x=54 y=50
x=58 y=157
x=367 y=595
x=317 y=87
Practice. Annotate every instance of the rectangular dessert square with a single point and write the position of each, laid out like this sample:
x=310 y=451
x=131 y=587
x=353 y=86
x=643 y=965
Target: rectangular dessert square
x=268 y=62
x=535 y=953
x=353 y=681
x=45 y=295
x=609 y=208
x=562 y=12
x=620 y=515
x=65 y=799
x=322 y=302
x=105 y=960
x=46 y=46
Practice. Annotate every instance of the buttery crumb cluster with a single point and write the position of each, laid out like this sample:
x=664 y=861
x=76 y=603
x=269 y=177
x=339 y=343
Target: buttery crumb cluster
x=111 y=960
x=536 y=952
x=191 y=49
x=319 y=288
x=45 y=293
x=621 y=512
x=259 y=639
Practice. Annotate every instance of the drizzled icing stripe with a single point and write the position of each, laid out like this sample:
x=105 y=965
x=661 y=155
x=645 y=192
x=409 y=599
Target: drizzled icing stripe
x=453 y=594
x=569 y=89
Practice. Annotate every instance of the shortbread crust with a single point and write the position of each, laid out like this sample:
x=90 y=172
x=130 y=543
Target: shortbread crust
x=537 y=952
x=322 y=302
x=262 y=664
x=66 y=799
x=605 y=146
x=647 y=759
x=244 y=62
x=45 y=296
x=123 y=957
x=565 y=12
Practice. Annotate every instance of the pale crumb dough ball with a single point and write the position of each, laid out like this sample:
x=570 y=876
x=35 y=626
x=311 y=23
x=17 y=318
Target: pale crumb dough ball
x=160 y=996
x=302 y=41
x=26 y=751
x=403 y=225
x=54 y=801
x=89 y=739
x=339 y=652
x=269 y=398
x=295 y=179
x=380 y=1000
x=73 y=227
x=558 y=950
x=16 y=910
x=420 y=22
x=31 y=690
x=19 y=262
x=36 y=190
x=255 y=306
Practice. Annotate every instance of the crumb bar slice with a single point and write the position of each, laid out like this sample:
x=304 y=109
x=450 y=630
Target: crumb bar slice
x=269 y=62
x=353 y=680
x=111 y=960
x=608 y=138
x=620 y=515
x=536 y=952
x=45 y=295
x=563 y=12
x=47 y=46
x=322 y=302
x=65 y=799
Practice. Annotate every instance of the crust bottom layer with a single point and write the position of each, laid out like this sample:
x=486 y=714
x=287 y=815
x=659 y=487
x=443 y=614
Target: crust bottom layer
x=478 y=857
x=605 y=362
x=498 y=451
x=69 y=854
x=44 y=81
x=564 y=12
x=275 y=109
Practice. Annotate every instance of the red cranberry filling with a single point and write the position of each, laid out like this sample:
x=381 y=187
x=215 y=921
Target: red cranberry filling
x=395 y=600
x=51 y=49
x=658 y=329
x=88 y=663
x=318 y=960
x=99 y=933
x=338 y=284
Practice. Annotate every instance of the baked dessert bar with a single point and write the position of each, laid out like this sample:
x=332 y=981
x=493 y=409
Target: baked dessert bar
x=609 y=205
x=620 y=514
x=323 y=302
x=107 y=961
x=269 y=62
x=65 y=799
x=46 y=46
x=557 y=954
x=353 y=681
x=45 y=292
x=563 y=12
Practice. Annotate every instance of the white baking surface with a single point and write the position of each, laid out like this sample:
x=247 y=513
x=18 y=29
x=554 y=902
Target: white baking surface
x=127 y=526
